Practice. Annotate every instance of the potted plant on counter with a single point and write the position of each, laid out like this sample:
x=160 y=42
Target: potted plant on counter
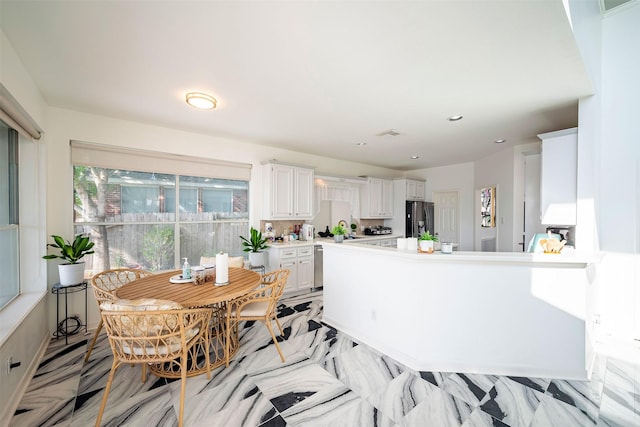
x=427 y=241
x=255 y=244
x=72 y=271
x=338 y=233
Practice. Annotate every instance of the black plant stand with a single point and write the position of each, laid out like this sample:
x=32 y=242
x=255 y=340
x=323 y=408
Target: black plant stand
x=62 y=328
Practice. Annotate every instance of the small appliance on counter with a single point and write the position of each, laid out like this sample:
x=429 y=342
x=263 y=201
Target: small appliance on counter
x=377 y=231
x=306 y=232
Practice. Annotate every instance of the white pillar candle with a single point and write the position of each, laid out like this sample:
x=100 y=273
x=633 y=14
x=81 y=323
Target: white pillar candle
x=412 y=243
x=222 y=268
x=401 y=243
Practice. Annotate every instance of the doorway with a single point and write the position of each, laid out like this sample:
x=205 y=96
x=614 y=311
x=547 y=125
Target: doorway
x=531 y=220
x=446 y=216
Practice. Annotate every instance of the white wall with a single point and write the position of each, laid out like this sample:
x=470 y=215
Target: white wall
x=608 y=158
x=23 y=328
x=619 y=156
x=453 y=178
x=519 y=153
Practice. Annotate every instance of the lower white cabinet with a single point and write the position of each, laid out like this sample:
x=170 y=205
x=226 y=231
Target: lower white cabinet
x=386 y=242
x=297 y=260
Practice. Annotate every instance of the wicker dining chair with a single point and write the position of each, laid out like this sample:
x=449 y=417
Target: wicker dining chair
x=259 y=304
x=104 y=285
x=152 y=337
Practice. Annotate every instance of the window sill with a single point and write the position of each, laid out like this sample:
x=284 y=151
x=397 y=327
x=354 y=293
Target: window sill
x=16 y=311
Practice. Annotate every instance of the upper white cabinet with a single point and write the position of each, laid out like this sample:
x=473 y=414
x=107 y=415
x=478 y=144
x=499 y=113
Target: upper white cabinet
x=414 y=189
x=377 y=198
x=558 y=181
x=288 y=191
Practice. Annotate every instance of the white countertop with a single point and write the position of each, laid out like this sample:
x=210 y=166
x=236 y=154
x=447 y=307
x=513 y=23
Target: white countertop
x=569 y=259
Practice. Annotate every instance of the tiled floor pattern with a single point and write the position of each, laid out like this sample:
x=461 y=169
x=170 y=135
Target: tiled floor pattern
x=327 y=380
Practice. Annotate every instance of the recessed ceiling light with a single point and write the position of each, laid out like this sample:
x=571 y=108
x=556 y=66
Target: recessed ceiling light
x=454 y=118
x=500 y=141
x=201 y=101
x=414 y=157
x=361 y=144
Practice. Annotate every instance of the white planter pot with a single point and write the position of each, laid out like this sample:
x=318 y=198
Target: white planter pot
x=71 y=274
x=338 y=238
x=256 y=258
x=426 y=246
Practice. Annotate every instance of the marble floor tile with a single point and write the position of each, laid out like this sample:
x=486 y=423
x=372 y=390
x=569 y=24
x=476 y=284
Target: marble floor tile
x=149 y=408
x=60 y=355
x=511 y=402
x=291 y=384
x=479 y=418
x=435 y=378
x=52 y=402
x=331 y=345
x=361 y=369
x=538 y=384
x=584 y=395
x=553 y=412
x=620 y=403
x=401 y=395
x=438 y=409
x=335 y=407
x=471 y=388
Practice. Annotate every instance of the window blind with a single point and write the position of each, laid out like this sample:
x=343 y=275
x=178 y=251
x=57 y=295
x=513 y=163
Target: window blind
x=113 y=157
x=16 y=117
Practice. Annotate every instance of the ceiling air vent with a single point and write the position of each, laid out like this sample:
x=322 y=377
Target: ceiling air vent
x=607 y=5
x=390 y=132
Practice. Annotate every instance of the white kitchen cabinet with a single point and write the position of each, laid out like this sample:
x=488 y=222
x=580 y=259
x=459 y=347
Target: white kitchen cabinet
x=288 y=192
x=376 y=198
x=385 y=242
x=414 y=189
x=388 y=242
x=298 y=260
x=558 y=177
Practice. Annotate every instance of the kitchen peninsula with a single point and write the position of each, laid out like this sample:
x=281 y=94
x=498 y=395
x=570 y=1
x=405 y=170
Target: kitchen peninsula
x=514 y=314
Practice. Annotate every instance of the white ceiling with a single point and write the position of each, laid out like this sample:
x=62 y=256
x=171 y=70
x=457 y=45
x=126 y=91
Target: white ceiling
x=314 y=76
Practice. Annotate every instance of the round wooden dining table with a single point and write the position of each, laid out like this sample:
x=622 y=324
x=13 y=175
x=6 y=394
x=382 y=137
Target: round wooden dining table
x=158 y=286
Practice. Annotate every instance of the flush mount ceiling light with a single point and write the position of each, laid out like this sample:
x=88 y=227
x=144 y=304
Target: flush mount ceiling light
x=454 y=118
x=201 y=101
x=361 y=144
x=414 y=157
x=500 y=141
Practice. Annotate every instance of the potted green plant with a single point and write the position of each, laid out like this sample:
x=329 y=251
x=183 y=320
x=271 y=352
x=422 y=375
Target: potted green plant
x=427 y=241
x=255 y=244
x=72 y=271
x=338 y=233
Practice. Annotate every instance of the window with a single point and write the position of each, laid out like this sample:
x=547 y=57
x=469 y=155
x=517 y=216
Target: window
x=9 y=216
x=152 y=220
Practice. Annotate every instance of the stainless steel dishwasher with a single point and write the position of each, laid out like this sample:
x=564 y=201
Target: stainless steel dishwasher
x=317 y=266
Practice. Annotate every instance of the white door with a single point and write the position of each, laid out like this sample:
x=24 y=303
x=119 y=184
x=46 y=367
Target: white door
x=446 y=225
x=532 y=168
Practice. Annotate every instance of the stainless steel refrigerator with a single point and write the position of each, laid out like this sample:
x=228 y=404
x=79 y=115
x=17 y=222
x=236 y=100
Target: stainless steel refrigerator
x=419 y=217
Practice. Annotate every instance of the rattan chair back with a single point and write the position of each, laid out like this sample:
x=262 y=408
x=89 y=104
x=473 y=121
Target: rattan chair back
x=104 y=284
x=259 y=304
x=155 y=336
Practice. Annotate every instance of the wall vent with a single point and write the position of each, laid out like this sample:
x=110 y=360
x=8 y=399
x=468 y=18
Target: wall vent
x=390 y=132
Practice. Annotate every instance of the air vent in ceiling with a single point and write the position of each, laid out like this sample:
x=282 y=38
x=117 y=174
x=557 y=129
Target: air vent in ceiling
x=390 y=132
x=607 y=5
